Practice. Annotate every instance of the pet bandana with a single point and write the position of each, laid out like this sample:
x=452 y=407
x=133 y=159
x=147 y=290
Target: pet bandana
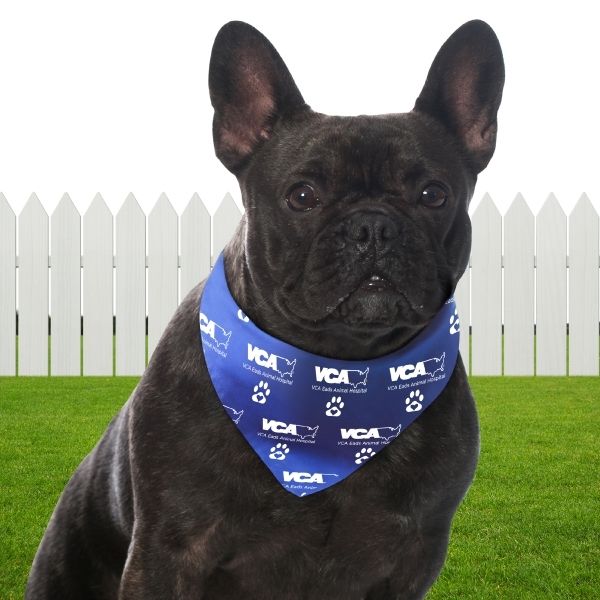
x=314 y=420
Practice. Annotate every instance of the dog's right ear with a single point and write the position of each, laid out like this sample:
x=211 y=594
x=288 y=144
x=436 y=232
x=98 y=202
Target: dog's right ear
x=250 y=89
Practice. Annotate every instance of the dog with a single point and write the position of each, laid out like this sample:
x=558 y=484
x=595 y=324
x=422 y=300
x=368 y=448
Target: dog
x=355 y=233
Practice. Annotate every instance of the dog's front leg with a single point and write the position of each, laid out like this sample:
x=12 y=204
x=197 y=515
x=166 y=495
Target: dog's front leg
x=416 y=572
x=153 y=573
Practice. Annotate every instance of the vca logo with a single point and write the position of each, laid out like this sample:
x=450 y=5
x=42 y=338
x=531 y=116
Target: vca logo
x=351 y=377
x=430 y=367
x=301 y=431
x=214 y=331
x=300 y=477
x=280 y=364
x=383 y=433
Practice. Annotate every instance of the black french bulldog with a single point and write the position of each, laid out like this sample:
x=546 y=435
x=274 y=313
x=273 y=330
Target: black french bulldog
x=355 y=232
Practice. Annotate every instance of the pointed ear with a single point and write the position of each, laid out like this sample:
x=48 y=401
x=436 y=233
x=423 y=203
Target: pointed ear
x=250 y=89
x=464 y=88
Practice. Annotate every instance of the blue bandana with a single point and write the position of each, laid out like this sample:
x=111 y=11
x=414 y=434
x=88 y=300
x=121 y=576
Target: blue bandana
x=314 y=420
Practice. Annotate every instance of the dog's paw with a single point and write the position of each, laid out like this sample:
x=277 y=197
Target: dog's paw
x=334 y=407
x=454 y=323
x=261 y=392
x=279 y=451
x=364 y=454
x=413 y=402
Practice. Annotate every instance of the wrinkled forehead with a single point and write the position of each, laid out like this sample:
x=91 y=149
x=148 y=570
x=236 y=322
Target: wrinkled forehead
x=358 y=139
x=370 y=152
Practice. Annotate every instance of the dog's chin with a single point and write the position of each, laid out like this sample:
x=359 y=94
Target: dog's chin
x=375 y=309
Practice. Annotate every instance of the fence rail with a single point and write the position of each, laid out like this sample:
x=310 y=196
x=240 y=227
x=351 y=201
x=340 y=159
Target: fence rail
x=532 y=308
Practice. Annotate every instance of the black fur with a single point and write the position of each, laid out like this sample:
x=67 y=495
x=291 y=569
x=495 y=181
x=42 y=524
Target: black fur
x=172 y=502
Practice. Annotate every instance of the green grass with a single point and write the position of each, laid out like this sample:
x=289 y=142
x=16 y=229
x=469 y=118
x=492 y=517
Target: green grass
x=529 y=526
x=527 y=530
x=47 y=425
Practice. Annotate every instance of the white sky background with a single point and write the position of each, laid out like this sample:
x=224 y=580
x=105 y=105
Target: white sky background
x=112 y=96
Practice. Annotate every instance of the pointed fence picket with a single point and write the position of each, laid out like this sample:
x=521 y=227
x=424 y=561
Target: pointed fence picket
x=225 y=223
x=195 y=245
x=162 y=269
x=8 y=288
x=551 y=289
x=33 y=289
x=512 y=300
x=98 y=289
x=583 y=289
x=65 y=301
x=519 y=241
x=486 y=289
x=131 y=289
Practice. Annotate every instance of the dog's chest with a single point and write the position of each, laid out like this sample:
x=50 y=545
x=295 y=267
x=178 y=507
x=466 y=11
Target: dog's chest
x=337 y=553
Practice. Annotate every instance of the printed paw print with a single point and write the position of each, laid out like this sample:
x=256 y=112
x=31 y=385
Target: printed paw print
x=334 y=407
x=364 y=454
x=413 y=402
x=279 y=451
x=261 y=392
x=454 y=323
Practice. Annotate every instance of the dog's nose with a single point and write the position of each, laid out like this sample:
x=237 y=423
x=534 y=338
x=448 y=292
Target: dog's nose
x=371 y=229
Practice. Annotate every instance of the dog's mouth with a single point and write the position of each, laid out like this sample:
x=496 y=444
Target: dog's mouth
x=372 y=284
x=376 y=300
x=375 y=284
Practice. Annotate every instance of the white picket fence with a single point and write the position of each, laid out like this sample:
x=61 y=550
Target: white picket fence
x=543 y=281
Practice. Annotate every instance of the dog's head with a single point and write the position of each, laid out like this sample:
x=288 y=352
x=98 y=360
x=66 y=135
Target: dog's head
x=356 y=225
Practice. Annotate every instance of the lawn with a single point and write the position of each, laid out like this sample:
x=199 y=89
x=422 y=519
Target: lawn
x=529 y=528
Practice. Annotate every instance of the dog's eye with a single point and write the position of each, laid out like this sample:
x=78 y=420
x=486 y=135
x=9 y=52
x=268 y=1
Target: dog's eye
x=302 y=198
x=434 y=195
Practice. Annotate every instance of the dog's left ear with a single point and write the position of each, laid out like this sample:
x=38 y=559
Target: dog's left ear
x=464 y=88
x=250 y=89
